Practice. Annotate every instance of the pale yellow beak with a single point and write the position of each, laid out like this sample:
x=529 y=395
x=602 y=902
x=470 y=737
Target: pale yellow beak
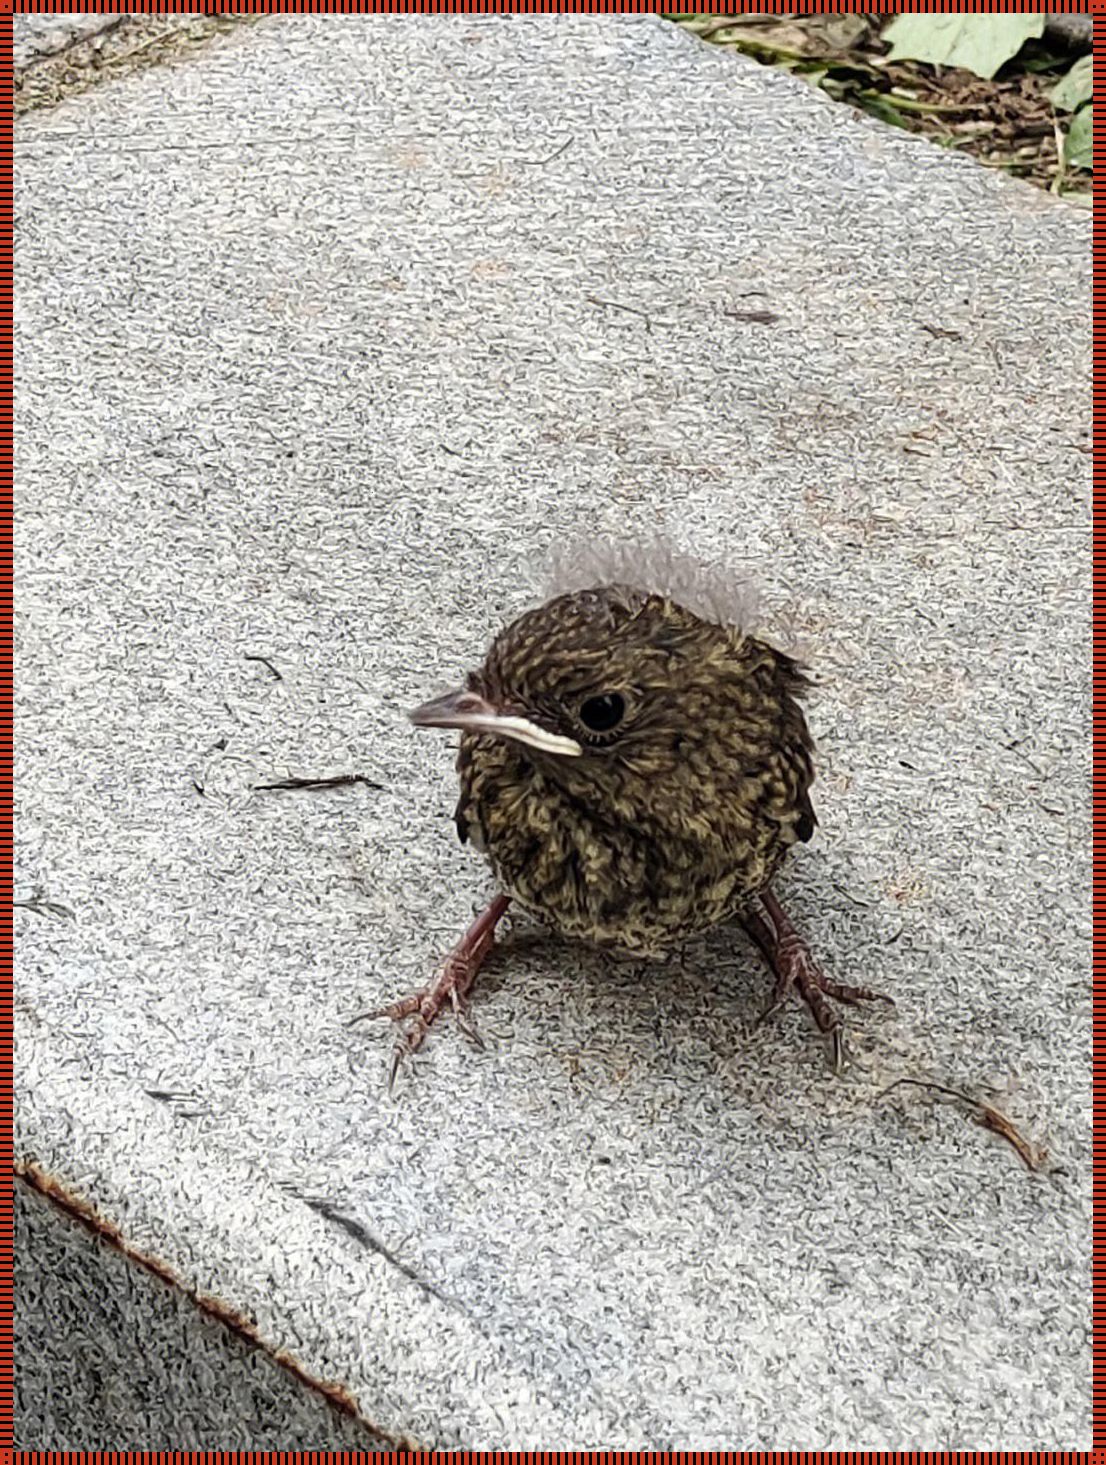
x=473 y=714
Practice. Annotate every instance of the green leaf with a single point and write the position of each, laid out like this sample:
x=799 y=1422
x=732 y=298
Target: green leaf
x=1079 y=143
x=880 y=106
x=1071 y=91
x=1041 y=60
x=979 y=43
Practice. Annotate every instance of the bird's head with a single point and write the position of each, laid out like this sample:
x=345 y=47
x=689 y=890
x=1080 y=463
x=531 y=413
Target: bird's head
x=625 y=697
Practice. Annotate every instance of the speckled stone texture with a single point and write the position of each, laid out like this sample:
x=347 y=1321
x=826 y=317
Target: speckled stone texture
x=109 y=1357
x=323 y=339
x=35 y=36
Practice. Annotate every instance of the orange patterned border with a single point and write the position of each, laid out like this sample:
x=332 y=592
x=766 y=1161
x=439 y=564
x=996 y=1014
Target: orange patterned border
x=593 y=7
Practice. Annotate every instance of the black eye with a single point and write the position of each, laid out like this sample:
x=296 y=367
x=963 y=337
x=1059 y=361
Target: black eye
x=602 y=713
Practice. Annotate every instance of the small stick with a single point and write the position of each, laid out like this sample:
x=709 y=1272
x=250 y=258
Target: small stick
x=552 y=158
x=264 y=660
x=43 y=907
x=617 y=305
x=986 y=1115
x=339 y=781
x=753 y=317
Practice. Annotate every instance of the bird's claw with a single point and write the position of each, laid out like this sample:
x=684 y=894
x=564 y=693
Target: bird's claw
x=423 y=1007
x=454 y=980
x=396 y=1011
x=464 y=1020
x=795 y=967
x=837 y=1051
x=399 y=1053
x=815 y=987
x=775 y=1003
x=834 y=1034
x=411 y=1037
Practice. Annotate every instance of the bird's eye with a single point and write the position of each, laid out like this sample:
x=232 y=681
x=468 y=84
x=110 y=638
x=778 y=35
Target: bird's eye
x=601 y=714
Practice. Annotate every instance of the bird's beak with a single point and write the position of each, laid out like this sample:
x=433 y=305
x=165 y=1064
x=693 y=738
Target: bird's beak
x=473 y=714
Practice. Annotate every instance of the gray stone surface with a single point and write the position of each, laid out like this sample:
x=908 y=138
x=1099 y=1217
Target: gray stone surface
x=35 y=36
x=109 y=1356
x=321 y=339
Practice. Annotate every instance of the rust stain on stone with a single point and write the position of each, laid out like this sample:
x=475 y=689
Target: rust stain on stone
x=86 y=1214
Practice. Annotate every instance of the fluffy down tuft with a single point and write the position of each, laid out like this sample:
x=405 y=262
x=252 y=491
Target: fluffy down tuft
x=711 y=590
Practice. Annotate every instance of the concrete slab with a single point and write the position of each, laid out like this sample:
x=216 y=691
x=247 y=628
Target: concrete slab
x=321 y=339
x=108 y=1356
x=36 y=36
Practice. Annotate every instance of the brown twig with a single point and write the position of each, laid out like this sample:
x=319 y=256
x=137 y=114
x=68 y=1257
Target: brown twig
x=986 y=1115
x=339 y=781
x=753 y=317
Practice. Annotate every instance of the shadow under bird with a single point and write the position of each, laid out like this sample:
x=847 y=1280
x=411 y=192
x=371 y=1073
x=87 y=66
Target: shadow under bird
x=633 y=773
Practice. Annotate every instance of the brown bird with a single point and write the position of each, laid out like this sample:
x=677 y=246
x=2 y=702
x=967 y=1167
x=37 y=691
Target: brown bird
x=633 y=773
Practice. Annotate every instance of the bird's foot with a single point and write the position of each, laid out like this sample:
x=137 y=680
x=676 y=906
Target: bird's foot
x=452 y=983
x=793 y=962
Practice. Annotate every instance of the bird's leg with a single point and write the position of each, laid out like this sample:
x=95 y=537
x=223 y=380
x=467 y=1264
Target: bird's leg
x=765 y=937
x=453 y=983
x=791 y=959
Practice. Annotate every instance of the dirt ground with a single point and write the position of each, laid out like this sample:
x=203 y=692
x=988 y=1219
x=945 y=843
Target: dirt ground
x=1006 y=123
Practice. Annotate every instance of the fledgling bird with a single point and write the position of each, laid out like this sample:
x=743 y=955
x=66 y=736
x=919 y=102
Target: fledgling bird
x=633 y=773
